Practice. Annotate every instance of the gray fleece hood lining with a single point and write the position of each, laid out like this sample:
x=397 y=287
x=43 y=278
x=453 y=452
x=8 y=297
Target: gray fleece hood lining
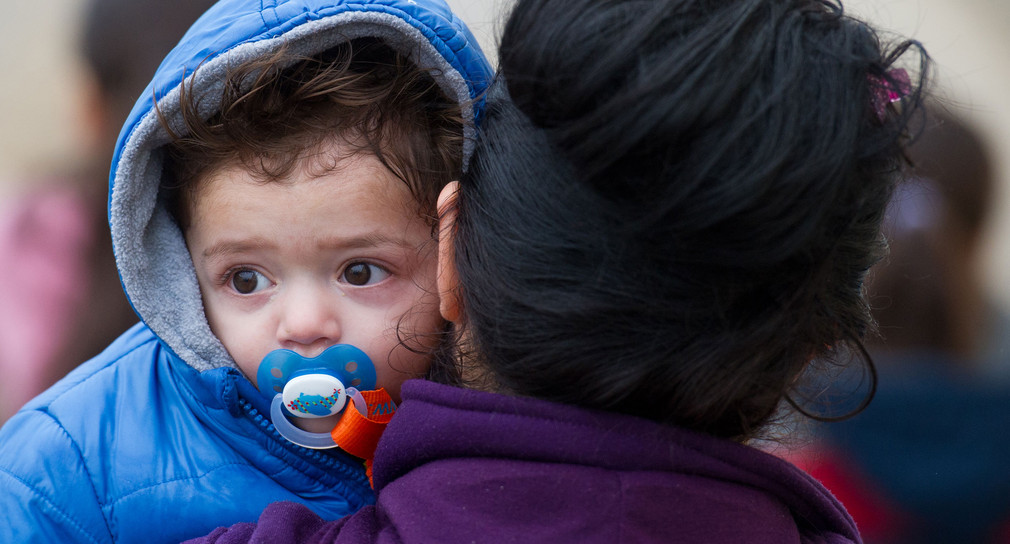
x=154 y=263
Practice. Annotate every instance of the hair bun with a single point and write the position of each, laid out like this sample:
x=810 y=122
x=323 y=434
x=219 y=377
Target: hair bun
x=602 y=83
x=538 y=59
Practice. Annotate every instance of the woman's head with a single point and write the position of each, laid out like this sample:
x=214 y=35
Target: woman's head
x=674 y=209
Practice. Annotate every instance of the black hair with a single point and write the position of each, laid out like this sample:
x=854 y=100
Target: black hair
x=673 y=204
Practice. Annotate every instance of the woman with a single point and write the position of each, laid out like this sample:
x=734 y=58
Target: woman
x=668 y=216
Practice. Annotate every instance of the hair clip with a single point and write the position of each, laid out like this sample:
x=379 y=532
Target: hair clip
x=890 y=87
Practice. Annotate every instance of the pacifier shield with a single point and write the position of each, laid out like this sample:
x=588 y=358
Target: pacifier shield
x=348 y=364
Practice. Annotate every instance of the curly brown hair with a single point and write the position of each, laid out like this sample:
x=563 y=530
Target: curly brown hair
x=281 y=109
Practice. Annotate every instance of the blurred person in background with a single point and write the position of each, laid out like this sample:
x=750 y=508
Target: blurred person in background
x=62 y=300
x=927 y=461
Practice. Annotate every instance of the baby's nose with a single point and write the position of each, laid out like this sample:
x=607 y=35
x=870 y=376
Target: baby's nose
x=310 y=320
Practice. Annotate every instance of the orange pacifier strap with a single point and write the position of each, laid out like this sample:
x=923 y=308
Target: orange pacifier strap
x=360 y=427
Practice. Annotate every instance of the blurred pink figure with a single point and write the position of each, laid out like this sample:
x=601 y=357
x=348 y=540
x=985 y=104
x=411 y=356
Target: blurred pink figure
x=44 y=240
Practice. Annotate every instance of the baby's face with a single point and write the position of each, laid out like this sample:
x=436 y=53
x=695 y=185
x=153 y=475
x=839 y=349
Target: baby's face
x=317 y=261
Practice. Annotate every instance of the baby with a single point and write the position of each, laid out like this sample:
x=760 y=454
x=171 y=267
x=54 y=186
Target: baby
x=272 y=212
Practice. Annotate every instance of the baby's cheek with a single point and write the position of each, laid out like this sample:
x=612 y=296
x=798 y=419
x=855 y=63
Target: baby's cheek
x=248 y=363
x=402 y=366
x=423 y=323
x=246 y=343
x=408 y=349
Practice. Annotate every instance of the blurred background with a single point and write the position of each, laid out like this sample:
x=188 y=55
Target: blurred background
x=934 y=437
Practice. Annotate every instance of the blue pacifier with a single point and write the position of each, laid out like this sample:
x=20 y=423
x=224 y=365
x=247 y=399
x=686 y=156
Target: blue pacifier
x=312 y=387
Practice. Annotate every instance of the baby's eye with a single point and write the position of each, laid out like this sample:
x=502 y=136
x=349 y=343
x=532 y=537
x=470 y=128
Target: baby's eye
x=363 y=274
x=248 y=281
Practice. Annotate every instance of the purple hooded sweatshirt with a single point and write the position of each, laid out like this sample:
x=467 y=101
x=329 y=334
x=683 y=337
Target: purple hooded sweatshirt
x=459 y=465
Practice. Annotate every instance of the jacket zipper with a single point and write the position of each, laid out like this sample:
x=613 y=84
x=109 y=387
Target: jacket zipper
x=342 y=467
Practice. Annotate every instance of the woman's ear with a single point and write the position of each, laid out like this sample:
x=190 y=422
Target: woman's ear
x=447 y=279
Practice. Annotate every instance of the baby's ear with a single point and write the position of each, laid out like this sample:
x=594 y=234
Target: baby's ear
x=447 y=278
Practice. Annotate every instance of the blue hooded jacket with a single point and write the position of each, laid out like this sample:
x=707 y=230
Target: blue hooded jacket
x=160 y=438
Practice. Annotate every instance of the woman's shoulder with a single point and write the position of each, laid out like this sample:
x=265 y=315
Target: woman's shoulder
x=487 y=459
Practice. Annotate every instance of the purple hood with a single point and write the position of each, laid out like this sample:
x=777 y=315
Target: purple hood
x=466 y=466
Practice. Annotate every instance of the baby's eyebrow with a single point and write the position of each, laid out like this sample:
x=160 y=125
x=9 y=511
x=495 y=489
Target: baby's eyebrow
x=366 y=240
x=231 y=247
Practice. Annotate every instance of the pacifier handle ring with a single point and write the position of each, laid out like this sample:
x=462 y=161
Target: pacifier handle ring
x=316 y=441
x=358 y=400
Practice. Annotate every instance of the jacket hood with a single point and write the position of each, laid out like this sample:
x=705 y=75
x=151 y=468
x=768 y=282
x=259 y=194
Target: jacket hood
x=154 y=265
